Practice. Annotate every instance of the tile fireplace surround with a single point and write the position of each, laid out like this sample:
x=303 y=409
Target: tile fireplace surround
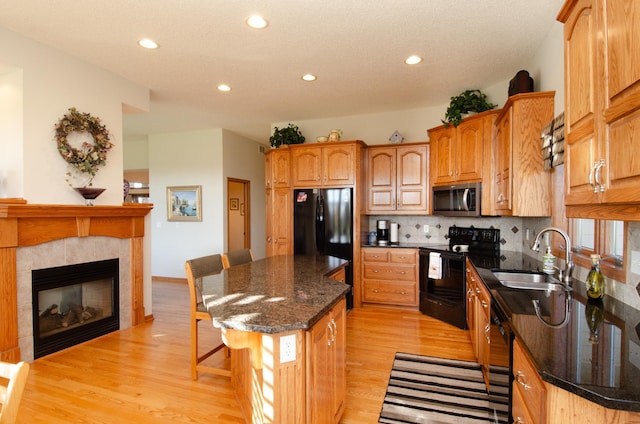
x=41 y=236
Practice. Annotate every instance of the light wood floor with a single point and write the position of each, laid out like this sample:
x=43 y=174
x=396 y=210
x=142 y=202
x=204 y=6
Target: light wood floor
x=141 y=375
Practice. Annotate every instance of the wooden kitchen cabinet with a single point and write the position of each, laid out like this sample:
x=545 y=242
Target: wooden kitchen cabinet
x=529 y=391
x=457 y=153
x=479 y=319
x=602 y=102
x=390 y=276
x=326 y=367
x=278 y=202
x=521 y=185
x=327 y=165
x=397 y=179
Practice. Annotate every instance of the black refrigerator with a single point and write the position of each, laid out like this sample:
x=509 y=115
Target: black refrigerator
x=323 y=225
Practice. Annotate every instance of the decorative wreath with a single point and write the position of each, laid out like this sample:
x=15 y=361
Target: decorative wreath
x=90 y=156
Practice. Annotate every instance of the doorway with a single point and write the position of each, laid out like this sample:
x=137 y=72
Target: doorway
x=239 y=213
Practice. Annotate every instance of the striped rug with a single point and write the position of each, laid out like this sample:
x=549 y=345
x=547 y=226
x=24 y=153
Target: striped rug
x=434 y=390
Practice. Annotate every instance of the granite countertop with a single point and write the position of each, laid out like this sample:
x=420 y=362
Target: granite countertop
x=273 y=295
x=606 y=372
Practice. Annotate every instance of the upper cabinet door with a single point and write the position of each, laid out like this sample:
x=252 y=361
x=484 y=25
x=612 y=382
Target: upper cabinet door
x=621 y=101
x=332 y=165
x=338 y=165
x=397 y=179
x=602 y=102
x=457 y=153
x=469 y=150
x=412 y=186
x=442 y=143
x=581 y=147
x=381 y=178
x=307 y=166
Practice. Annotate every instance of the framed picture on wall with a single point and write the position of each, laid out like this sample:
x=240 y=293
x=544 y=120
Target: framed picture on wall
x=233 y=204
x=184 y=203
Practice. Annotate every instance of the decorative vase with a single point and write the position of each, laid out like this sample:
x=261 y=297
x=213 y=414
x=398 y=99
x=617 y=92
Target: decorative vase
x=334 y=135
x=89 y=194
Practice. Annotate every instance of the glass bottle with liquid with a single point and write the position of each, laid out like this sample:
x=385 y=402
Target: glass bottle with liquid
x=595 y=279
x=594 y=314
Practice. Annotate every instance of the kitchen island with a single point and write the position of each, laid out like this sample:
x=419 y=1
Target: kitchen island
x=284 y=319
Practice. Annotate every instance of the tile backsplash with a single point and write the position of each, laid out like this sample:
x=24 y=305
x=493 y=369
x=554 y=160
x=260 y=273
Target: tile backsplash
x=516 y=234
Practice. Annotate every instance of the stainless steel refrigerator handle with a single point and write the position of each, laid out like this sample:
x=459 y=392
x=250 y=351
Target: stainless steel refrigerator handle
x=465 y=194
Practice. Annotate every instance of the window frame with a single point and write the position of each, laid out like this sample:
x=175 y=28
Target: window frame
x=610 y=266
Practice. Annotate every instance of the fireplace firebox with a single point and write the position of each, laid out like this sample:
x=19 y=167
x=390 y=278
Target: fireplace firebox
x=73 y=304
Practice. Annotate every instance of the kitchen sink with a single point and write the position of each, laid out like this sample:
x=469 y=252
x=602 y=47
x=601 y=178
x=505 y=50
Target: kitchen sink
x=529 y=281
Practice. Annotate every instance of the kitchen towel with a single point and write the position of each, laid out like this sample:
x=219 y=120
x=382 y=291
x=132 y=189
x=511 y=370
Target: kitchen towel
x=435 y=265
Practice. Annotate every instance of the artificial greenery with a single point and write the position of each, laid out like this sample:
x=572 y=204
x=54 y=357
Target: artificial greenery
x=467 y=101
x=288 y=135
x=87 y=159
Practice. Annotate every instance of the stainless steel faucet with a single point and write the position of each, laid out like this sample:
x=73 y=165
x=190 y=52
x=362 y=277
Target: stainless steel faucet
x=564 y=275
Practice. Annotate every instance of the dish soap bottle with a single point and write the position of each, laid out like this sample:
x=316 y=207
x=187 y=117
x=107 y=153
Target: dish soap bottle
x=595 y=279
x=548 y=262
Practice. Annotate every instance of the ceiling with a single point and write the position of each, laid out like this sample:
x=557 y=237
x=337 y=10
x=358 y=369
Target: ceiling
x=356 y=48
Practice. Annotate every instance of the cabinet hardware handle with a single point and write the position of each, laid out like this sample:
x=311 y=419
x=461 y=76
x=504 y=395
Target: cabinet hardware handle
x=591 y=175
x=268 y=239
x=375 y=291
x=402 y=272
x=375 y=271
x=597 y=172
x=484 y=304
x=520 y=380
x=519 y=420
x=403 y=292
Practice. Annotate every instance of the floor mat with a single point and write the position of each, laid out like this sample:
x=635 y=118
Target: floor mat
x=431 y=390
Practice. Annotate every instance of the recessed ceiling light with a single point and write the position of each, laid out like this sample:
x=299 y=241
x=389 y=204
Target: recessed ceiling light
x=413 y=60
x=257 y=22
x=224 y=87
x=309 y=77
x=148 y=43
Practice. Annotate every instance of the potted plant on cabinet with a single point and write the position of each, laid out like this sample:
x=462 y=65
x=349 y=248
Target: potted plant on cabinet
x=465 y=102
x=287 y=135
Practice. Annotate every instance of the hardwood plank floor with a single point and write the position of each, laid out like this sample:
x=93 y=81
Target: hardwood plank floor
x=142 y=374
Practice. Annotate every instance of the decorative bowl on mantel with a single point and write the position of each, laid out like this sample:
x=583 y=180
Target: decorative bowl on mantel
x=90 y=194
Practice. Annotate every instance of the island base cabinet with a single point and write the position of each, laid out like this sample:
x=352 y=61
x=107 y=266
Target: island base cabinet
x=326 y=367
x=268 y=389
x=307 y=389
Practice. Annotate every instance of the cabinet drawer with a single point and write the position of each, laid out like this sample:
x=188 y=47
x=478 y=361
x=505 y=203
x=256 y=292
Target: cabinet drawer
x=391 y=293
x=403 y=257
x=519 y=410
x=375 y=255
x=529 y=383
x=390 y=272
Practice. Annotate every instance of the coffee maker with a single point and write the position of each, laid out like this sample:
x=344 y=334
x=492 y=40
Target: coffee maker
x=383 y=232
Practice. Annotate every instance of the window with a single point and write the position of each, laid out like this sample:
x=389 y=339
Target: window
x=606 y=238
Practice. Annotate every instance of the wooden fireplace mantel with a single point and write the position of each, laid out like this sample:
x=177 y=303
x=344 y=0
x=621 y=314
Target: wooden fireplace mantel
x=23 y=224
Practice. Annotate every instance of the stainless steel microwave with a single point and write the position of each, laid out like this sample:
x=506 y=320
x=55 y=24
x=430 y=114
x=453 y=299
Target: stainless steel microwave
x=457 y=199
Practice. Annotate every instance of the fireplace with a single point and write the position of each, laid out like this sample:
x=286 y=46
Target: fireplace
x=73 y=304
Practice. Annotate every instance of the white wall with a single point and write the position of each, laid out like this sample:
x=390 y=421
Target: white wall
x=11 y=178
x=136 y=153
x=52 y=82
x=185 y=159
x=244 y=159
